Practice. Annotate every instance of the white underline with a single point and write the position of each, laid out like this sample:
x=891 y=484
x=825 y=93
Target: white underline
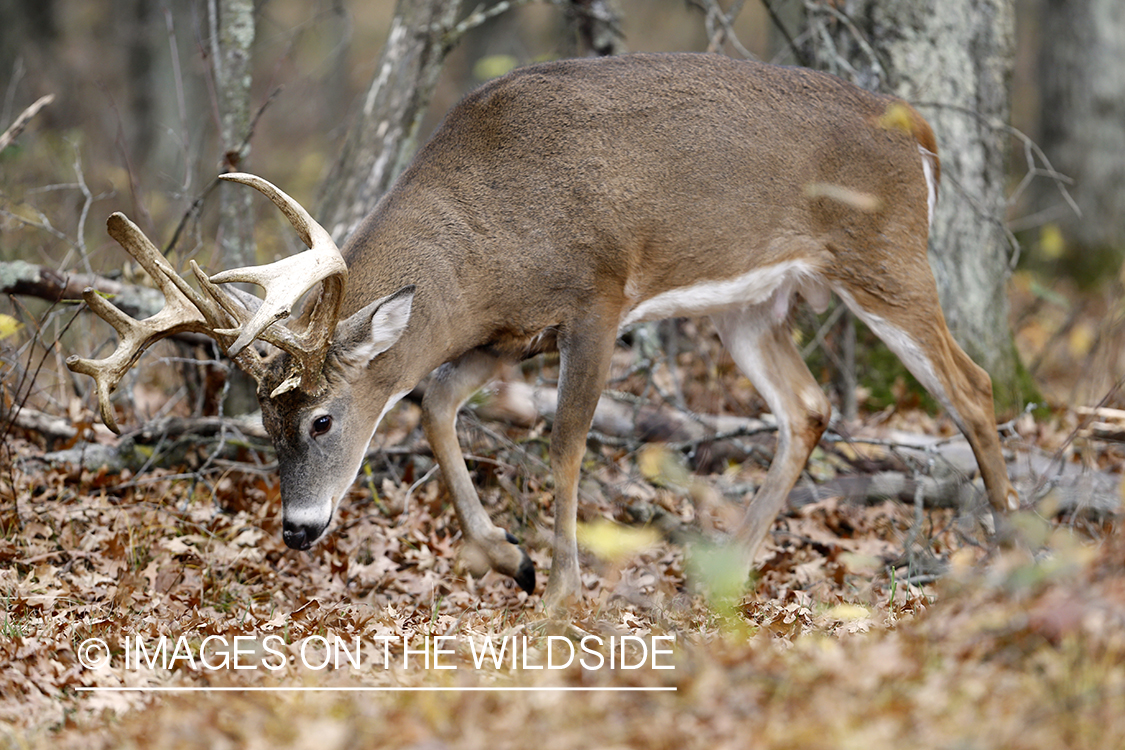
x=258 y=689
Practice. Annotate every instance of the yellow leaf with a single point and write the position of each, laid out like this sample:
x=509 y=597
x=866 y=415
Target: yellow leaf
x=897 y=117
x=848 y=612
x=1051 y=241
x=613 y=542
x=8 y=326
x=662 y=467
x=493 y=66
x=862 y=564
x=1081 y=340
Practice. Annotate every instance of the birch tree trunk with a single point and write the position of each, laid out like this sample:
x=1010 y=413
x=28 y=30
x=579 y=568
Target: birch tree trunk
x=232 y=37
x=383 y=135
x=952 y=59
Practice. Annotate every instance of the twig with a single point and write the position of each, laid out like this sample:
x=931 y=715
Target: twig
x=1083 y=424
x=418 y=483
x=44 y=224
x=720 y=436
x=244 y=147
x=725 y=31
x=857 y=35
x=795 y=48
x=134 y=184
x=21 y=122
x=195 y=208
x=989 y=217
x=87 y=201
x=19 y=396
x=1032 y=151
x=479 y=16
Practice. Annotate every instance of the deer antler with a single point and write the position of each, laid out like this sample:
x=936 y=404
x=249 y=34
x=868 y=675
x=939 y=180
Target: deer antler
x=227 y=318
x=285 y=282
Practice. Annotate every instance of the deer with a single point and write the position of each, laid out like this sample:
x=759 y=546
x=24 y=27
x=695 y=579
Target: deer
x=552 y=209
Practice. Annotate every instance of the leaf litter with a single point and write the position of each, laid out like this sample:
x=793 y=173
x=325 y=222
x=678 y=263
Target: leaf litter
x=844 y=639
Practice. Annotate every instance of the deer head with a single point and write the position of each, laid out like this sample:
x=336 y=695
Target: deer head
x=292 y=378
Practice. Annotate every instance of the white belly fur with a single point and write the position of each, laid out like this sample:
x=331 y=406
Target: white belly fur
x=775 y=284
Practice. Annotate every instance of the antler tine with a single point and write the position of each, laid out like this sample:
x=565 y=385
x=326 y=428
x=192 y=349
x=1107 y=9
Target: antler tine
x=286 y=281
x=184 y=310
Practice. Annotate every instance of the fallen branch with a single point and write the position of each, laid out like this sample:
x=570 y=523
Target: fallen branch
x=48 y=425
x=521 y=404
x=945 y=483
x=123 y=452
x=157 y=429
x=28 y=279
x=1104 y=424
x=1071 y=491
x=936 y=492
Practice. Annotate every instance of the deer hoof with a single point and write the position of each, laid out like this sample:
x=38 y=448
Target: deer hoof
x=525 y=572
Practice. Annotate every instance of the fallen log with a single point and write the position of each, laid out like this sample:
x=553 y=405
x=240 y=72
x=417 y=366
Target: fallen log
x=23 y=278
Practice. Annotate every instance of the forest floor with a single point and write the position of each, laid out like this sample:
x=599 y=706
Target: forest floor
x=156 y=606
x=862 y=628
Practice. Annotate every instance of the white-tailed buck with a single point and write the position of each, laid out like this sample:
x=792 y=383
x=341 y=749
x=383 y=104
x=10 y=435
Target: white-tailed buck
x=555 y=207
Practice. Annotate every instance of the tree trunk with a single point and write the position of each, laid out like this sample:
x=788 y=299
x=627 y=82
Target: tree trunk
x=232 y=36
x=952 y=59
x=382 y=137
x=1082 y=84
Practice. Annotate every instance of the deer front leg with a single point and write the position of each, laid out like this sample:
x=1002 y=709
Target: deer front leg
x=765 y=353
x=584 y=354
x=485 y=544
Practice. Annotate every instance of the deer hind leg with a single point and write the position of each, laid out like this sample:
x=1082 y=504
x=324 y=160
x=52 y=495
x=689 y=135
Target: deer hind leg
x=486 y=545
x=920 y=338
x=764 y=351
x=585 y=348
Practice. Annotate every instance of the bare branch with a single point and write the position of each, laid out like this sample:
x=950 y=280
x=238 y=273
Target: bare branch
x=798 y=53
x=21 y=122
x=480 y=15
x=720 y=26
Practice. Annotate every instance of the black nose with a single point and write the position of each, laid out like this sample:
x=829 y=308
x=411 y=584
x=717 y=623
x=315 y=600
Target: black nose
x=299 y=536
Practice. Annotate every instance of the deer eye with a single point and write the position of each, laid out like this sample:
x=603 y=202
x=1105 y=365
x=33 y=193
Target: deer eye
x=321 y=425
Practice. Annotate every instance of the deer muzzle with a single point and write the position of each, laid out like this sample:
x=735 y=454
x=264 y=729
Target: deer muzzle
x=300 y=536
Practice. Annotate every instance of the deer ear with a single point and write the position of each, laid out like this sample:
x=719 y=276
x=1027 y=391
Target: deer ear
x=374 y=329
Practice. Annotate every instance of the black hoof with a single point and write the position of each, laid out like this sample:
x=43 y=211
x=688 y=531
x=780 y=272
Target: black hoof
x=525 y=576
